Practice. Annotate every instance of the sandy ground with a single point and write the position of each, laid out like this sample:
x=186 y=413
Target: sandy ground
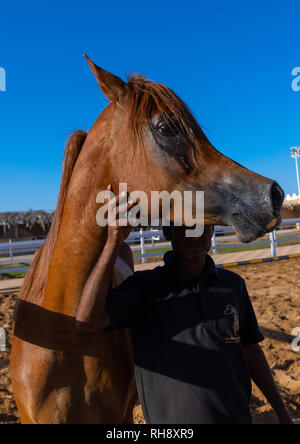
x=275 y=292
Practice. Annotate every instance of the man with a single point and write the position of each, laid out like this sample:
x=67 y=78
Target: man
x=194 y=331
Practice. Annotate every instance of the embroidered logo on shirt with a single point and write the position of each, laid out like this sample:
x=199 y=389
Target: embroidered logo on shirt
x=196 y=290
x=232 y=311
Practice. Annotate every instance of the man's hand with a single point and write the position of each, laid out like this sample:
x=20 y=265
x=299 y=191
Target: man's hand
x=263 y=378
x=119 y=226
x=285 y=418
x=91 y=315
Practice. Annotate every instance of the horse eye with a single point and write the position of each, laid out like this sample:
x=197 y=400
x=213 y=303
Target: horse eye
x=167 y=130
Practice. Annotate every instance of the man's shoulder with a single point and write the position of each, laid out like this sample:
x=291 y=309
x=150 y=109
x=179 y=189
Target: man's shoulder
x=152 y=273
x=229 y=277
x=152 y=278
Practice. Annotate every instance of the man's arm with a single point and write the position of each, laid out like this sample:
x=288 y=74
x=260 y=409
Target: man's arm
x=262 y=376
x=91 y=314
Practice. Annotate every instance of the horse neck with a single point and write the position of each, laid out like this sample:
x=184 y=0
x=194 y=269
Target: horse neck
x=80 y=240
x=78 y=247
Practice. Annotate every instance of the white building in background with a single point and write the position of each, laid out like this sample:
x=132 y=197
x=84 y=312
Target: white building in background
x=293 y=197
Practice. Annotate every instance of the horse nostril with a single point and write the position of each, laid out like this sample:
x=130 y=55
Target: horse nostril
x=277 y=198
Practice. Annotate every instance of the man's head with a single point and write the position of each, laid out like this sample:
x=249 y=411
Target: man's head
x=189 y=248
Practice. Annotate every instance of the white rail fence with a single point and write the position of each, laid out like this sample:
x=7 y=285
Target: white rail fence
x=151 y=243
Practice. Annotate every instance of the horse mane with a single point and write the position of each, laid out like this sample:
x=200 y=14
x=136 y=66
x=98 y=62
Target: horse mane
x=148 y=97
x=36 y=277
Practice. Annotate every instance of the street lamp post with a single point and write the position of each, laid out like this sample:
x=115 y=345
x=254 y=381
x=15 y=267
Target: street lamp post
x=295 y=153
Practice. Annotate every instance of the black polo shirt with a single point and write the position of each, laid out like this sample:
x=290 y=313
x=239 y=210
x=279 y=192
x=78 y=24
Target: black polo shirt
x=187 y=340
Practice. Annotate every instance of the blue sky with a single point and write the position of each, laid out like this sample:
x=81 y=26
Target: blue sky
x=231 y=61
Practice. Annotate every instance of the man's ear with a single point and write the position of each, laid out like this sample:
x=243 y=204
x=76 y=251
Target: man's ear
x=112 y=86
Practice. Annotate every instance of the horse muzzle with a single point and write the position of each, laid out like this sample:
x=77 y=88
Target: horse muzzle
x=251 y=211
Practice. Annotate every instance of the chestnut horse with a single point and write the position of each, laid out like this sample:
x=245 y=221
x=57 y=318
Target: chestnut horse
x=147 y=138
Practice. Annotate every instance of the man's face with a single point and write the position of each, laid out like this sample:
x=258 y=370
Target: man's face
x=189 y=248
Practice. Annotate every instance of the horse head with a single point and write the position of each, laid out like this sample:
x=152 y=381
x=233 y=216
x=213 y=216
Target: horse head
x=155 y=143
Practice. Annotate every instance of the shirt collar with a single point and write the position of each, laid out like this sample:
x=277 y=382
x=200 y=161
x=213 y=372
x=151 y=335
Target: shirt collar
x=173 y=263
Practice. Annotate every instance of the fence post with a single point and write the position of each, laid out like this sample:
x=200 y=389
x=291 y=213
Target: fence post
x=143 y=250
x=214 y=244
x=11 y=255
x=273 y=239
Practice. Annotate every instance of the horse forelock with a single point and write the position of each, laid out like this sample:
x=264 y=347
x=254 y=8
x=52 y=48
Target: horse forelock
x=148 y=98
x=36 y=277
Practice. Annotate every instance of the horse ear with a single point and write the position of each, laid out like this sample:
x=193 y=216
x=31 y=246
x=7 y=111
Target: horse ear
x=112 y=86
